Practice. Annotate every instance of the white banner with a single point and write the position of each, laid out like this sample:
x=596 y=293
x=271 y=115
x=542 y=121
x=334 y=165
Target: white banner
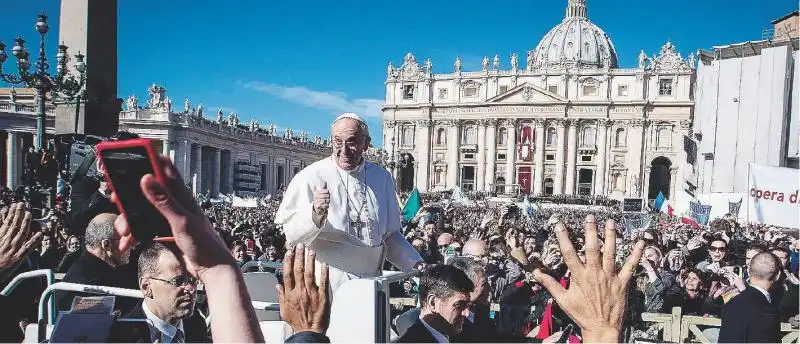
x=244 y=202
x=772 y=196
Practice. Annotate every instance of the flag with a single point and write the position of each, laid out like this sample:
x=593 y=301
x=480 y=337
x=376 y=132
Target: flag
x=700 y=212
x=663 y=204
x=634 y=223
x=659 y=200
x=527 y=208
x=733 y=207
x=690 y=221
x=412 y=206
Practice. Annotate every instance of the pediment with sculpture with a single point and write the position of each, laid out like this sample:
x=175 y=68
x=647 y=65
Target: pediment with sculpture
x=527 y=93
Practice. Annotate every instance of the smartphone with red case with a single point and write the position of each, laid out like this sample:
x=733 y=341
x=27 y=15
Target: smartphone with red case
x=124 y=164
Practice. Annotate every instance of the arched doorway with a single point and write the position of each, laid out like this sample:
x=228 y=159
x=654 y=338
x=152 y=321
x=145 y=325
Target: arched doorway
x=499 y=185
x=659 y=177
x=548 y=186
x=405 y=175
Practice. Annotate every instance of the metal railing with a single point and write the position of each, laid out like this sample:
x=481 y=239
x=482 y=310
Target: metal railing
x=677 y=327
x=18 y=279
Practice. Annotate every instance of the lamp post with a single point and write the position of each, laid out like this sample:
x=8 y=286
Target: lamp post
x=40 y=78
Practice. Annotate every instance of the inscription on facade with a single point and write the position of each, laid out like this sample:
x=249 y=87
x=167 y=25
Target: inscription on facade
x=500 y=109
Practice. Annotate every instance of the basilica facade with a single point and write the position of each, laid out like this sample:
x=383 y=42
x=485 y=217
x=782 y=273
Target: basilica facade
x=563 y=118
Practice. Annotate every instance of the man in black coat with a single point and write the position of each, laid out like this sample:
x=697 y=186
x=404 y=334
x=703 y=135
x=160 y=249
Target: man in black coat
x=751 y=317
x=99 y=263
x=444 y=294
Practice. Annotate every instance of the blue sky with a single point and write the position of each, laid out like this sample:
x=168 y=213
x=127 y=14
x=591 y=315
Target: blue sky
x=298 y=63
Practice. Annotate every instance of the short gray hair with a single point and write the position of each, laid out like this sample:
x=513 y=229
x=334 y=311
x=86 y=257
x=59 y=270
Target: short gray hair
x=471 y=267
x=100 y=228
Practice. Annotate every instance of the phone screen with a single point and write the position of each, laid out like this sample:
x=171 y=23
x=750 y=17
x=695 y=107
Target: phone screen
x=125 y=168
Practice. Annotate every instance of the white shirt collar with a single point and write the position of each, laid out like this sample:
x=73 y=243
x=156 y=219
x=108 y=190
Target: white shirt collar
x=440 y=338
x=471 y=317
x=360 y=167
x=766 y=293
x=161 y=326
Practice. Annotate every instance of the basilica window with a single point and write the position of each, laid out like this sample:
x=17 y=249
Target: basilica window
x=470 y=91
x=441 y=138
x=622 y=90
x=553 y=89
x=469 y=136
x=663 y=135
x=408 y=92
x=619 y=138
x=503 y=89
x=438 y=176
x=407 y=136
x=665 y=87
x=551 y=137
x=590 y=90
x=502 y=136
x=442 y=93
x=587 y=137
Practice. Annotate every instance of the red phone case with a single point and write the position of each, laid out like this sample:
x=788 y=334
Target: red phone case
x=147 y=144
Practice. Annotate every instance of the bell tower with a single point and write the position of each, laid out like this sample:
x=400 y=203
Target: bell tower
x=90 y=27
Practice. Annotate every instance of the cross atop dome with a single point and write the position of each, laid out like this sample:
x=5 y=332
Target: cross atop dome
x=576 y=9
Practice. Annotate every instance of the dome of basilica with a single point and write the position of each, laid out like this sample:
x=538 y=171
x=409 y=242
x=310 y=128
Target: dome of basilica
x=576 y=41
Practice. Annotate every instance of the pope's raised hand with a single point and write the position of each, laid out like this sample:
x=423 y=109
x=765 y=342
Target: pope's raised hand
x=322 y=200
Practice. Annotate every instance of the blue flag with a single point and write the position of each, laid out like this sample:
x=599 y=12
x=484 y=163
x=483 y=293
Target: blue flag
x=659 y=200
x=700 y=212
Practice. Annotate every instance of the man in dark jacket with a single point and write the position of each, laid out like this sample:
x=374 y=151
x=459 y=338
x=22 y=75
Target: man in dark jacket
x=444 y=294
x=98 y=265
x=750 y=317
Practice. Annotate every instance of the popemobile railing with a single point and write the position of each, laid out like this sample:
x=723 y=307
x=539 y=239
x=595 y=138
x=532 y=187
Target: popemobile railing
x=677 y=327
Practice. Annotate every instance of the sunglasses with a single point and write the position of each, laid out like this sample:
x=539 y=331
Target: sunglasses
x=717 y=248
x=179 y=281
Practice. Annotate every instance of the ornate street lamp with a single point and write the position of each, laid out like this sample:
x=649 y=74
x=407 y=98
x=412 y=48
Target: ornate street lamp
x=40 y=79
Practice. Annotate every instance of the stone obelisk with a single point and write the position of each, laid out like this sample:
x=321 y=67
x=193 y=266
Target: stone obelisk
x=90 y=27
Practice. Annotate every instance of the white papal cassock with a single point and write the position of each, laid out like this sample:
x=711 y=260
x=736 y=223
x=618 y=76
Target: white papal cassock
x=350 y=252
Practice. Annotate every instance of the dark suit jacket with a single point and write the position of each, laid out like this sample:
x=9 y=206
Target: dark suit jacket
x=417 y=333
x=750 y=318
x=88 y=269
x=195 y=329
x=483 y=331
x=308 y=337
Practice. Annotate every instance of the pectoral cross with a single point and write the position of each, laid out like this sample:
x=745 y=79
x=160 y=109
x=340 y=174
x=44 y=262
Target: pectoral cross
x=358 y=227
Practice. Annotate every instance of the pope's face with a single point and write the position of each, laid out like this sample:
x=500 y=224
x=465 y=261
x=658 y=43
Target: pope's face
x=349 y=143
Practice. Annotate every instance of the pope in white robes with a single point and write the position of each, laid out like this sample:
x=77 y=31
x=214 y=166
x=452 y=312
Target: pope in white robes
x=345 y=208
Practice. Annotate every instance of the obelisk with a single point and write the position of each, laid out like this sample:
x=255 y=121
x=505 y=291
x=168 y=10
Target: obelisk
x=90 y=27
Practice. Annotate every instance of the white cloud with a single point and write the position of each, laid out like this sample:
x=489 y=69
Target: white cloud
x=336 y=102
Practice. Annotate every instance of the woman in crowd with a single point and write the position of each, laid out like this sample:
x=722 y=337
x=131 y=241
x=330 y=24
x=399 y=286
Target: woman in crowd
x=74 y=250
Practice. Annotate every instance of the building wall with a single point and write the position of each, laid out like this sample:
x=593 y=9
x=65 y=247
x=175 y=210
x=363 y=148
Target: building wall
x=742 y=114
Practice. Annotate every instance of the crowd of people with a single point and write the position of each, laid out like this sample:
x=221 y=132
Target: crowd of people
x=567 y=271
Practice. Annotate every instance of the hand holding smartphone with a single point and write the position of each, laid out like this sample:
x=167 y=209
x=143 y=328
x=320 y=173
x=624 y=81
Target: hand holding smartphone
x=124 y=163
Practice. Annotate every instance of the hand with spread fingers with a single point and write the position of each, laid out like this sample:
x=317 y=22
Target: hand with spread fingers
x=597 y=292
x=15 y=234
x=304 y=305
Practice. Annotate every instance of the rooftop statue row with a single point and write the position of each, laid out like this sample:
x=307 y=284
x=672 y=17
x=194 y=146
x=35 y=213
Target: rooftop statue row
x=160 y=103
x=668 y=59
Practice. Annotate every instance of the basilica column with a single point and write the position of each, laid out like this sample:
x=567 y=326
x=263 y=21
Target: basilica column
x=215 y=172
x=165 y=147
x=185 y=164
x=389 y=139
x=511 y=154
x=602 y=146
x=197 y=168
x=635 y=147
x=561 y=140
x=491 y=155
x=572 y=150
x=452 y=155
x=423 y=136
x=12 y=159
x=481 y=175
x=538 y=158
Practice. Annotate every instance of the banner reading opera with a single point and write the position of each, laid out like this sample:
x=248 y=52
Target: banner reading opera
x=772 y=196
